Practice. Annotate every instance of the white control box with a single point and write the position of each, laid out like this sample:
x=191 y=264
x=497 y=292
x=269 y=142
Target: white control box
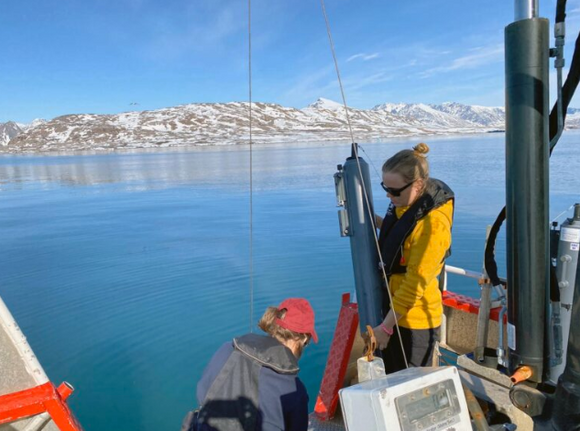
x=415 y=399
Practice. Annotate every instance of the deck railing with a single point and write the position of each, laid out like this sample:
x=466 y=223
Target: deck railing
x=485 y=305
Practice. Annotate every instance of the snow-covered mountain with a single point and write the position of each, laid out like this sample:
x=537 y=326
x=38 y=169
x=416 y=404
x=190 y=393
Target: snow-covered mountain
x=8 y=131
x=12 y=129
x=228 y=123
x=479 y=115
x=448 y=115
x=34 y=123
x=325 y=104
x=573 y=118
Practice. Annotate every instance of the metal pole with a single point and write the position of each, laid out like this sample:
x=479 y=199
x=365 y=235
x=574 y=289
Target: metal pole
x=527 y=155
x=466 y=272
x=483 y=322
x=526 y=9
x=483 y=315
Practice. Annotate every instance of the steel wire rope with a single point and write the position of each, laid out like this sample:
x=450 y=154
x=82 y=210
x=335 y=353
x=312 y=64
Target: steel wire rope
x=366 y=198
x=562 y=213
x=371 y=162
x=251 y=257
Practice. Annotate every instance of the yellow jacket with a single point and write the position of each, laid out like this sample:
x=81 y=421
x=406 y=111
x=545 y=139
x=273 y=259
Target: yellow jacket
x=416 y=295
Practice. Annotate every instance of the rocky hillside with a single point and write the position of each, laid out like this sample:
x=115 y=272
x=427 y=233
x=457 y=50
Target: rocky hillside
x=8 y=131
x=228 y=123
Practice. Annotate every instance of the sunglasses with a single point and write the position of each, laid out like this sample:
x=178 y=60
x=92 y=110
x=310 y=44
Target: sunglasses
x=395 y=192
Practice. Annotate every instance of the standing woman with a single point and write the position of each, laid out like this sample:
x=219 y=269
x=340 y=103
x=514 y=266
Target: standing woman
x=415 y=239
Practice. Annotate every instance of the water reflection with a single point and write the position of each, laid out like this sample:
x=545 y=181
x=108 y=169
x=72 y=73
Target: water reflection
x=466 y=163
x=147 y=169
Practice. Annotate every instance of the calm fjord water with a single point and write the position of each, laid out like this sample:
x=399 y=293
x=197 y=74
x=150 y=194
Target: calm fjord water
x=127 y=270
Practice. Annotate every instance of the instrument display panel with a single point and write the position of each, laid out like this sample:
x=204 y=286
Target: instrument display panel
x=431 y=408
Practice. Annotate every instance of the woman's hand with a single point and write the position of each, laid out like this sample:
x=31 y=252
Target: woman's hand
x=378 y=221
x=382 y=337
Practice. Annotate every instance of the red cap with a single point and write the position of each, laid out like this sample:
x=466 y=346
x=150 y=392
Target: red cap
x=299 y=317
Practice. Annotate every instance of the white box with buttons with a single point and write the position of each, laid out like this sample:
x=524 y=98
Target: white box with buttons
x=415 y=399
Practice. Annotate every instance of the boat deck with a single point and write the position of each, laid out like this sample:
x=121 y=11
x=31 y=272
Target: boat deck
x=336 y=424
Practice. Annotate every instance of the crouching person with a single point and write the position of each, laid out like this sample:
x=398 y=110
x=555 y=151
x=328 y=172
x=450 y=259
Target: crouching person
x=251 y=383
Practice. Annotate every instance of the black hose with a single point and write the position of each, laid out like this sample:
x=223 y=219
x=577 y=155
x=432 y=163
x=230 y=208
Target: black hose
x=568 y=90
x=490 y=264
x=560 y=11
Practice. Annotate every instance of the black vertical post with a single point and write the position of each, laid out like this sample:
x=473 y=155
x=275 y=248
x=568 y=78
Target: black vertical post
x=527 y=156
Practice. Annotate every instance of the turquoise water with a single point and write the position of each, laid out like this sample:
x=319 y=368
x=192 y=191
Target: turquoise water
x=127 y=270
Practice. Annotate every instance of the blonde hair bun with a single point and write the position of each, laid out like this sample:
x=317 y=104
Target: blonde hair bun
x=421 y=149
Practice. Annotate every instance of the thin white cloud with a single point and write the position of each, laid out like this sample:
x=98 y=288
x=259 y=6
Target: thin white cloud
x=478 y=57
x=354 y=57
x=371 y=56
x=376 y=78
x=363 y=56
x=572 y=8
x=572 y=26
x=209 y=34
x=311 y=85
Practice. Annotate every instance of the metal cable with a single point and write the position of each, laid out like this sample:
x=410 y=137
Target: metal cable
x=251 y=168
x=371 y=215
x=370 y=162
x=562 y=213
x=337 y=70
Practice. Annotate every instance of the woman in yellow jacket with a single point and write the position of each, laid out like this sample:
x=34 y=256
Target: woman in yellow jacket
x=415 y=239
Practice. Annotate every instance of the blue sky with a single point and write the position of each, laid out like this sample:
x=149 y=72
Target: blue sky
x=108 y=56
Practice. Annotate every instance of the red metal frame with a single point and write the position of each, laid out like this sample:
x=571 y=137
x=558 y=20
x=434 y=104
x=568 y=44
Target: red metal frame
x=40 y=399
x=337 y=362
x=468 y=304
x=343 y=340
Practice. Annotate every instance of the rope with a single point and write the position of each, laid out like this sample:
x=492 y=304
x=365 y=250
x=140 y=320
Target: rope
x=251 y=169
x=337 y=70
x=371 y=214
x=371 y=162
x=562 y=213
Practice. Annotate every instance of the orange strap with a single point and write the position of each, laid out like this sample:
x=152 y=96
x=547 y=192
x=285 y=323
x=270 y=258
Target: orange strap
x=370 y=344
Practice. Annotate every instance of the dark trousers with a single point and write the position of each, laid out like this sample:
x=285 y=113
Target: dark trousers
x=418 y=344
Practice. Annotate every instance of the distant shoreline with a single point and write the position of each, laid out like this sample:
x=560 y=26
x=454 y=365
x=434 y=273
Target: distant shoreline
x=258 y=143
